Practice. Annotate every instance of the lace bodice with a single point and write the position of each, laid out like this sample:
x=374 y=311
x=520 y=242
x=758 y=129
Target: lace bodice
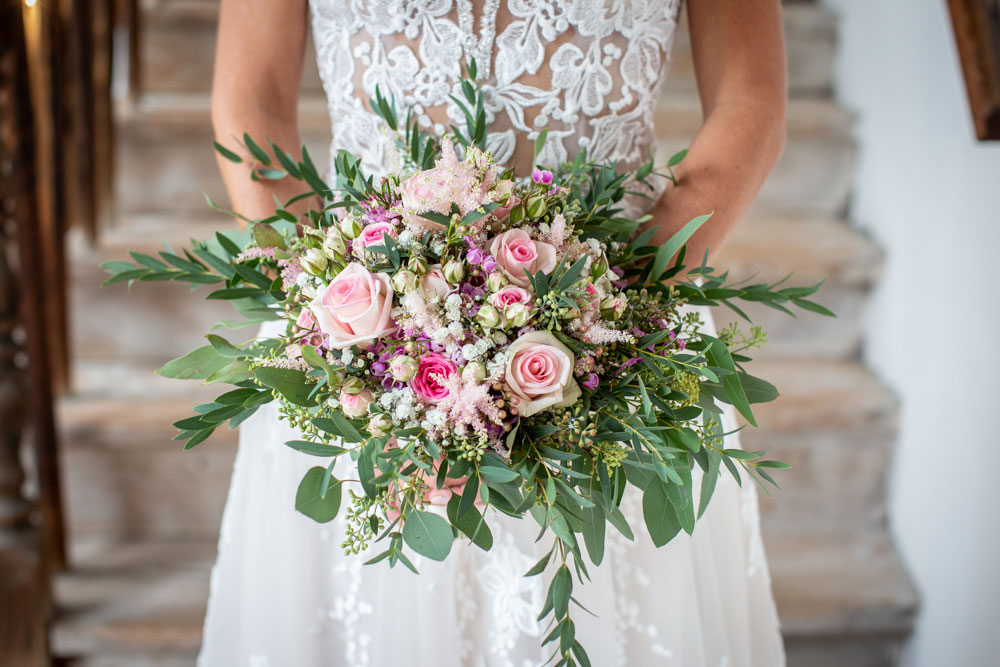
x=586 y=70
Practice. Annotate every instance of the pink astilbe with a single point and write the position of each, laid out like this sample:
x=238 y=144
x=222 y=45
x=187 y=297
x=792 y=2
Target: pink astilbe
x=255 y=253
x=290 y=273
x=469 y=404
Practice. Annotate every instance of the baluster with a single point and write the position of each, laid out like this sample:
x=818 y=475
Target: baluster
x=24 y=598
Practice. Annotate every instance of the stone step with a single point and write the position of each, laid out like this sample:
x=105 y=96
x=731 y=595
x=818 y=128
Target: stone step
x=125 y=477
x=843 y=600
x=165 y=160
x=161 y=321
x=178 y=48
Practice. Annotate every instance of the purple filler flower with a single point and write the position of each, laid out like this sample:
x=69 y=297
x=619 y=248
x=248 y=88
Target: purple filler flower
x=591 y=381
x=474 y=256
x=489 y=263
x=542 y=176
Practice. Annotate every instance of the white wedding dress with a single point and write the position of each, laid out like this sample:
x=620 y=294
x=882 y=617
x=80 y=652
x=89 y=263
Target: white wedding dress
x=282 y=592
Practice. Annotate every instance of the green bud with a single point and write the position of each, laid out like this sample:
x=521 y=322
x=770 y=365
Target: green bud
x=334 y=245
x=403 y=368
x=518 y=314
x=350 y=226
x=488 y=316
x=417 y=264
x=404 y=280
x=496 y=281
x=454 y=271
x=536 y=206
x=379 y=425
x=314 y=262
x=353 y=385
x=473 y=371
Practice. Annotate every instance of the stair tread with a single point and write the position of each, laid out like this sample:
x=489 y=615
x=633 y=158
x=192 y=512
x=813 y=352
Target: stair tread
x=770 y=246
x=681 y=113
x=849 y=397
x=150 y=597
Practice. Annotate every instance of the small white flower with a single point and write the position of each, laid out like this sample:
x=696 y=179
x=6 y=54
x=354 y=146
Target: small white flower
x=470 y=352
x=346 y=356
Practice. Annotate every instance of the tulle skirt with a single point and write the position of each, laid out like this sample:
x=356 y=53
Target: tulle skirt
x=283 y=594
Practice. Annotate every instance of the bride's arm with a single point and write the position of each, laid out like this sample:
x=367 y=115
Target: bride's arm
x=255 y=89
x=739 y=58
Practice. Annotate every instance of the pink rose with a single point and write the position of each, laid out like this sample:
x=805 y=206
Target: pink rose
x=516 y=253
x=424 y=191
x=540 y=373
x=509 y=295
x=373 y=234
x=354 y=308
x=433 y=283
x=355 y=405
x=428 y=383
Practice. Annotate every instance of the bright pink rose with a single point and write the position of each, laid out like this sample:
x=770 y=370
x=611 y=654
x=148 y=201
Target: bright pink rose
x=540 y=373
x=509 y=295
x=516 y=253
x=354 y=308
x=433 y=283
x=372 y=234
x=428 y=383
x=355 y=405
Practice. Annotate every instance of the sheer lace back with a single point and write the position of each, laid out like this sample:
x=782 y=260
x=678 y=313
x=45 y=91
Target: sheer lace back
x=588 y=71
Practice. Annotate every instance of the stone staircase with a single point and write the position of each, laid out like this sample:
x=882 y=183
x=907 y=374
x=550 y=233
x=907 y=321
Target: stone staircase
x=144 y=516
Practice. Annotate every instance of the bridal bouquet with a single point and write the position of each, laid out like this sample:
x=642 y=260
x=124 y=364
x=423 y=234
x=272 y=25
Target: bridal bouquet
x=476 y=344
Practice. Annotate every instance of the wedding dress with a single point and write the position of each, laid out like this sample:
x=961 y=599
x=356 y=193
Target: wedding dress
x=282 y=592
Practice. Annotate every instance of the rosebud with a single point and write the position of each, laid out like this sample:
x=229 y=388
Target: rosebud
x=488 y=316
x=379 y=425
x=612 y=308
x=355 y=405
x=473 y=372
x=334 y=245
x=314 y=262
x=518 y=314
x=599 y=268
x=403 y=368
x=417 y=264
x=536 y=207
x=496 y=281
x=454 y=271
x=350 y=226
x=404 y=280
x=353 y=386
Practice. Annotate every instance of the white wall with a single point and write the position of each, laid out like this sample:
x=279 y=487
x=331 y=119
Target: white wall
x=930 y=195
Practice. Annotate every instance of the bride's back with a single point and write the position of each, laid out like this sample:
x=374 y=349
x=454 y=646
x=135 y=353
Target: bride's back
x=585 y=70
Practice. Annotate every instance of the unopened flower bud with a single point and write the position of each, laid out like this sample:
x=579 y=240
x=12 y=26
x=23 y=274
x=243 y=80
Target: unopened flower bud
x=404 y=280
x=334 y=245
x=350 y=226
x=403 y=368
x=379 y=425
x=417 y=264
x=536 y=207
x=488 y=316
x=496 y=281
x=353 y=385
x=518 y=314
x=473 y=372
x=314 y=262
x=612 y=308
x=454 y=271
x=599 y=267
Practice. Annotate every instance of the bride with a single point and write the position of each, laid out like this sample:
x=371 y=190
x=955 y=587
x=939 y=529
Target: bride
x=588 y=71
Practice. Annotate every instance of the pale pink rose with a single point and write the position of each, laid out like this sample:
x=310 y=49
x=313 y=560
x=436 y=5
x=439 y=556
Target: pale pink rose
x=373 y=234
x=355 y=405
x=540 y=373
x=424 y=191
x=516 y=253
x=509 y=295
x=354 y=308
x=427 y=383
x=433 y=283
